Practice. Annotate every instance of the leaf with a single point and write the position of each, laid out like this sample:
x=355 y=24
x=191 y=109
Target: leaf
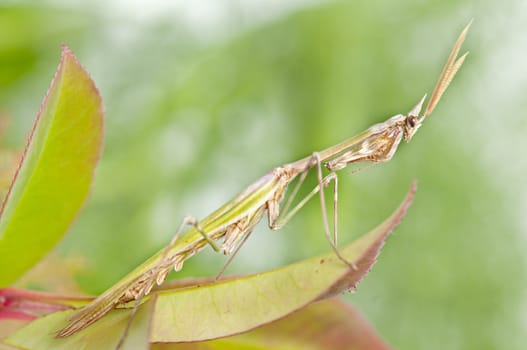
x=221 y=309
x=104 y=334
x=232 y=307
x=54 y=177
x=18 y=307
x=326 y=325
x=31 y=304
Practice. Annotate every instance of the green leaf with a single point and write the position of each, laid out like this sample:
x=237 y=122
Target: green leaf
x=216 y=310
x=56 y=172
x=325 y=325
x=232 y=307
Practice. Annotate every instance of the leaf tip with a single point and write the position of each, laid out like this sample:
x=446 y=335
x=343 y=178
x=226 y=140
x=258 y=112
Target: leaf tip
x=65 y=55
x=375 y=241
x=65 y=49
x=400 y=212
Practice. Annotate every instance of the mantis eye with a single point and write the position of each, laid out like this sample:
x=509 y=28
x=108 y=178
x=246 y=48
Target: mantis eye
x=412 y=121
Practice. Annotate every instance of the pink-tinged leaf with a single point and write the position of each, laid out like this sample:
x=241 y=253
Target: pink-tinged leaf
x=236 y=306
x=104 y=334
x=18 y=307
x=33 y=304
x=56 y=172
x=325 y=325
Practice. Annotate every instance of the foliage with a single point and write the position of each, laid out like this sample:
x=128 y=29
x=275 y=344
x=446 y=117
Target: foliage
x=48 y=189
x=206 y=110
x=55 y=173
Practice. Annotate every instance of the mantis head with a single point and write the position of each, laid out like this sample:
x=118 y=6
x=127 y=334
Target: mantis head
x=413 y=121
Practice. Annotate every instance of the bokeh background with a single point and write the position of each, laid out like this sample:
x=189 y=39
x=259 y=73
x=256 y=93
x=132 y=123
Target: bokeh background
x=203 y=97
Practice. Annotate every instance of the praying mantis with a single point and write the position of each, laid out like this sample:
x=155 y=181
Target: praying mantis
x=235 y=220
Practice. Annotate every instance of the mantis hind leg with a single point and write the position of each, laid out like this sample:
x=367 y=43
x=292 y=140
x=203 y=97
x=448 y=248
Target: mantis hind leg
x=278 y=218
x=321 y=185
x=187 y=221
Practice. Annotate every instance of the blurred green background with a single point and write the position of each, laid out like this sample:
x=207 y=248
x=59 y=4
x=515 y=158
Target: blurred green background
x=203 y=97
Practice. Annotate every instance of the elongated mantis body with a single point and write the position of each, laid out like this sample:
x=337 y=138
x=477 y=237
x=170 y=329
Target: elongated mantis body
x=235 y=220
